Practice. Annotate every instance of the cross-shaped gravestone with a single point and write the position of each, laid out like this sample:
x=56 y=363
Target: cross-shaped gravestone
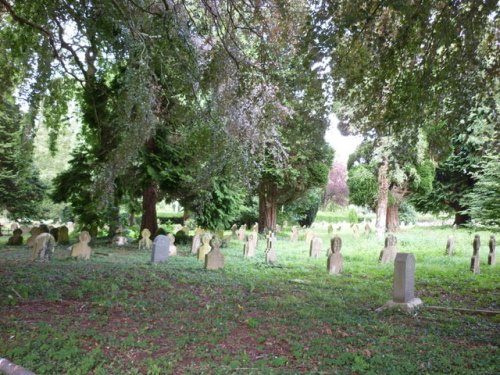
x=204 y=249
x=315 y=247
x=335 y=262
x=270 y=249
x=161 y=249
x=388 y=253
x=474 y=261
x=214 y=259
x=492 y=257
x=450 y=246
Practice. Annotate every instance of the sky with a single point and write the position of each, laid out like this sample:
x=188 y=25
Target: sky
x=343 y=146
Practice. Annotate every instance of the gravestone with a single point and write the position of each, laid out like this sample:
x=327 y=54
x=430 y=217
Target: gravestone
x=330 y=229
x=63 y=234
x=16 y=239
x=309 y=236
x=241 y=232
x=355 y=230
x=145 y=242
x=492 y=256
x=255 y=228
x=214 y=259
x=403 y=295
x=474 y=261
x=13 y=227
x=295 y=233
x=450 y=246
x=271 y=256
x=368 y=229
x=161 y=249
x=119 y=240
x=43 y=247
x=35 y=231
x=173 y=248
x=55 y=233
x=82 y=250
x=195 y=245
x=316 y=247
x=234 y=230
x=388 y=253
x=250 y=246
x=204 y=249
x=335 y=262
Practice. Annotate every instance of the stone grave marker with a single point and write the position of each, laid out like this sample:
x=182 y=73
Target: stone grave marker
x=403 y=295
x=271 y=256
x=214 y=260
x=35 y=231
x=234 y=230
x=492 y=256
x=173 y=248
x=145 y=242
x=161 y=249
x=241 y=232
x=335 y=262
x=295 y=233
x=82 y=250
x=330 y=229
x=309 y=236
x=315 y=247
x=204 y=249
x=474 y=261
x=14 y=226
x=450 y=246
x=388 y=253
x=44 y=245
x=249 y=247
x=63 y=234
x=16 y=239
x=195 y=245
x=255 y=228
x=55 y=233
x=368 y=229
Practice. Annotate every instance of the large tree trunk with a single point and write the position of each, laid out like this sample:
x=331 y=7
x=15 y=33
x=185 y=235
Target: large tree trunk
x=268 y=206
x=393 y=218
x=149 y=198
x=383 y=197
x=461 y=218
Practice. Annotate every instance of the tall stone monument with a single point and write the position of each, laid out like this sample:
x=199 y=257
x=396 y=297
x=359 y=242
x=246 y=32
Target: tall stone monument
x=492 y=256
x=271 y=256
x=450 y=246
x=474 y=261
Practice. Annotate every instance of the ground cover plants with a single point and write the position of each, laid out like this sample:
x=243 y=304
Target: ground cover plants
x=117 y=313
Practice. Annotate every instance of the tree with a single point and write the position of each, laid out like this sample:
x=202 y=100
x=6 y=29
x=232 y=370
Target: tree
x=336 y=189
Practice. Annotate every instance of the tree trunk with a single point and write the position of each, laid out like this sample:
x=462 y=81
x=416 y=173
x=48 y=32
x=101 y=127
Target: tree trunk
x=268 y=206
x=393 y=218
x=461 y=218
x=383 y=198
x=149 y=198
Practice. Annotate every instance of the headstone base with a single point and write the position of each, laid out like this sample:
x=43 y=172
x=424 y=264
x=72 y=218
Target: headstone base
x=409 y=306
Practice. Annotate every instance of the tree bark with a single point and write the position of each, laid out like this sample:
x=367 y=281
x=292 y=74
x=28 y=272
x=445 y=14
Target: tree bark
x=383 y=198
x=393 y=218
x=149 y=218
x=268 y=206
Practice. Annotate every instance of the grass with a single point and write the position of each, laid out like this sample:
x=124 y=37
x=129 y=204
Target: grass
x=119 y=314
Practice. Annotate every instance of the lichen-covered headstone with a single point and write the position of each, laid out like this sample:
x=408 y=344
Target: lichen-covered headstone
x=388 y=253
x=63 y=234
x=474 y=261
x=30 y=242
x=316 y=247
x=55 y=233
x=173 y=248
x=161 y=249
x=43 y=247
x=241 y=232
x=271 y=256
x=492 y=257
x=214 y=259
x=82 y=250
x=450 y=246
x=205 y=248
x=234 y=230
x=250 y=245
x=16 y=239
x=335 y=262
x=195 y=245
x=145 y=242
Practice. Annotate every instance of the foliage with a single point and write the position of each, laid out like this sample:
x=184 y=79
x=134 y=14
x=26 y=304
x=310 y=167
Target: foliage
x=352 y=216
x=363 y=186
x=407 y=213
x=304 y=209
x=336 y=188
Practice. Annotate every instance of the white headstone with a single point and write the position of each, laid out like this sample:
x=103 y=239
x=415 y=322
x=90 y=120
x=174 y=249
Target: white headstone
x=161 y=249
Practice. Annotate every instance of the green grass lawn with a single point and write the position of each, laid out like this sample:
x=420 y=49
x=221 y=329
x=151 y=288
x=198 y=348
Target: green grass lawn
x=119 y=314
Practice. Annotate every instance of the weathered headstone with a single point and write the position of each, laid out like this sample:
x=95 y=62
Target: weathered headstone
x=14 y=226
x=214 y=259
x=63 y=234
x=204 y=249
x=316 y=247
x=330 y=229
x=145 y=242
x=309 y=236
x=492 y=256
x=234 y=230
x=44 y=245
x=388 y=253
x=55 y=233
x=335 y=262
x=249 y=247
x=241 y=232
x=16 y=239
x=450 y=246
x=173 y=248
x=271 y=256
x=30 y=242
x=474 y=261
x=295 y=233
x=195 y=245
x=82 y=250
x=404 y=284
x=368 y=229
x=161 y=249
x=255 y=228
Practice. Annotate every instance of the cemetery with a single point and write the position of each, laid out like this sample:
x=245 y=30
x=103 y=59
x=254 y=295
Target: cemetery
x=249 y=187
